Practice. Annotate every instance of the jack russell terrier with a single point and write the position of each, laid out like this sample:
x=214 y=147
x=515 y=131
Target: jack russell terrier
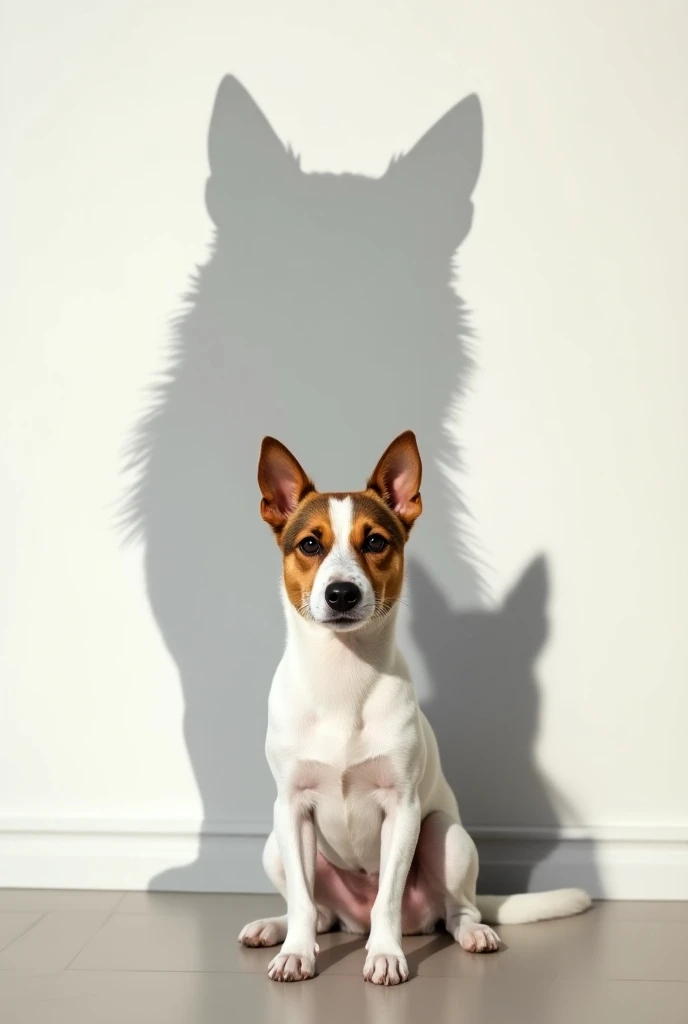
x=367 y=833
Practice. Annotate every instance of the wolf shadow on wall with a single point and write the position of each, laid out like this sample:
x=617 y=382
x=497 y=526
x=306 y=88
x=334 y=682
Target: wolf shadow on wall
x=326 y=316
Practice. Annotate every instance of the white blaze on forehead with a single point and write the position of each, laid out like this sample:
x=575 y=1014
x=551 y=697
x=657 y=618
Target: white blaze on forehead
x=341 y=520
x=340 y=564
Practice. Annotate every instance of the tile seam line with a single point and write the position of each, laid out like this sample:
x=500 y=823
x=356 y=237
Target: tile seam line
x=93 y=934
x=26 y=930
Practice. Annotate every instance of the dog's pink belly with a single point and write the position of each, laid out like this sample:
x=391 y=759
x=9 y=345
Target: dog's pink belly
x=351 y=895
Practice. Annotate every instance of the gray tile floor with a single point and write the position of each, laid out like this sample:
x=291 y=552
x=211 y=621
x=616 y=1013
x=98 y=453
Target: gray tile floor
x=125 y=958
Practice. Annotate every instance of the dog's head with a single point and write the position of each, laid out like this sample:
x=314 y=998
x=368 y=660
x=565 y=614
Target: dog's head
x=343 y=554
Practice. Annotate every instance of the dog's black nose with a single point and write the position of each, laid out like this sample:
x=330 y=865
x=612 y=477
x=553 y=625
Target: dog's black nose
x=342 y=596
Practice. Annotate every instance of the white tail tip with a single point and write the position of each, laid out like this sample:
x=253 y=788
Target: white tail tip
x=525 y=908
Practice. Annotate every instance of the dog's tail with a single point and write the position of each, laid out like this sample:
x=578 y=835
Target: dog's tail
x=533 y=906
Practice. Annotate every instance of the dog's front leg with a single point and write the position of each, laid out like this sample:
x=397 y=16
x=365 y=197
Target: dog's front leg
x=386 y=963
x=295 y=832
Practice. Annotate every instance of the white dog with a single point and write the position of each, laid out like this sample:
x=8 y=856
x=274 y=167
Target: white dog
x=367 y=832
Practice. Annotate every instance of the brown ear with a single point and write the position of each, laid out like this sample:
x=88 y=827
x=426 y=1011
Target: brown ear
x=396 y=478
x=282 y=482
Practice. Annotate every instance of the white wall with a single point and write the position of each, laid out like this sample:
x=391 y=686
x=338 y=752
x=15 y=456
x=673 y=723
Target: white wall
x=574 y=430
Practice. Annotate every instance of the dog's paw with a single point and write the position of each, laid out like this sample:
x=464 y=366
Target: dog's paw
x=385 y=969
x=477 y=938
x=270 y=931
x=292 y=967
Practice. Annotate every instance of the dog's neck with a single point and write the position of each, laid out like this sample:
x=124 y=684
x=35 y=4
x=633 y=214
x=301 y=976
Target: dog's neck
x=357 y=657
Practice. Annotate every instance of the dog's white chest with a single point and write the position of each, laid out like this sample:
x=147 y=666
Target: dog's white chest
x=348 y=790
x=345 y=766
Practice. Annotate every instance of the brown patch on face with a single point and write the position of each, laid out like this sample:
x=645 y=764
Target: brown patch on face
x=384 y=569
x=386 y=509
x=311 y=519
x=371 y=516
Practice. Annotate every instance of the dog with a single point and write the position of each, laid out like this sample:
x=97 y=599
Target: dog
x=367 y=833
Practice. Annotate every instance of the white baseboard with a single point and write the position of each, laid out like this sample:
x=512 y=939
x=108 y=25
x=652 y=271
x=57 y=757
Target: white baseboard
x=636 y=863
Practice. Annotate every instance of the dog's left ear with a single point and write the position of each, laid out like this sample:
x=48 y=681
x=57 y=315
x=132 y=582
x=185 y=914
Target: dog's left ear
x=396 y=478
x=282 y=481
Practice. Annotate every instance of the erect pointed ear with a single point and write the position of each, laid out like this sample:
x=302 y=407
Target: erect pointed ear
x=396 y=478
x=282 y=482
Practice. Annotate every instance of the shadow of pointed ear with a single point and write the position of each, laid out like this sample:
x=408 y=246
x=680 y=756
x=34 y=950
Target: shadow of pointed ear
x=524 y=609
x=436 y=178
x=430 y=609
x=247 y=157
x=451 y=152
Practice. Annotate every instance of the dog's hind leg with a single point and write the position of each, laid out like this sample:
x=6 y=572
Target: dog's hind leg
x=449 y=860
x=272 y=931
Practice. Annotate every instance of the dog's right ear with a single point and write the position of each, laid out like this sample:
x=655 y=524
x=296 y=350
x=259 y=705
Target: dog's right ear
x=396 y=478
x=282 y=481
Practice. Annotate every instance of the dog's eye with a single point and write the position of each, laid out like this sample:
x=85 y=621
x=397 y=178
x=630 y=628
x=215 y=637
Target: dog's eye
x=310 y=546
x=375 y=542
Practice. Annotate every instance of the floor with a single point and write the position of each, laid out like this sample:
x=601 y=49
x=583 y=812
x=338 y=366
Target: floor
x=125 y=958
